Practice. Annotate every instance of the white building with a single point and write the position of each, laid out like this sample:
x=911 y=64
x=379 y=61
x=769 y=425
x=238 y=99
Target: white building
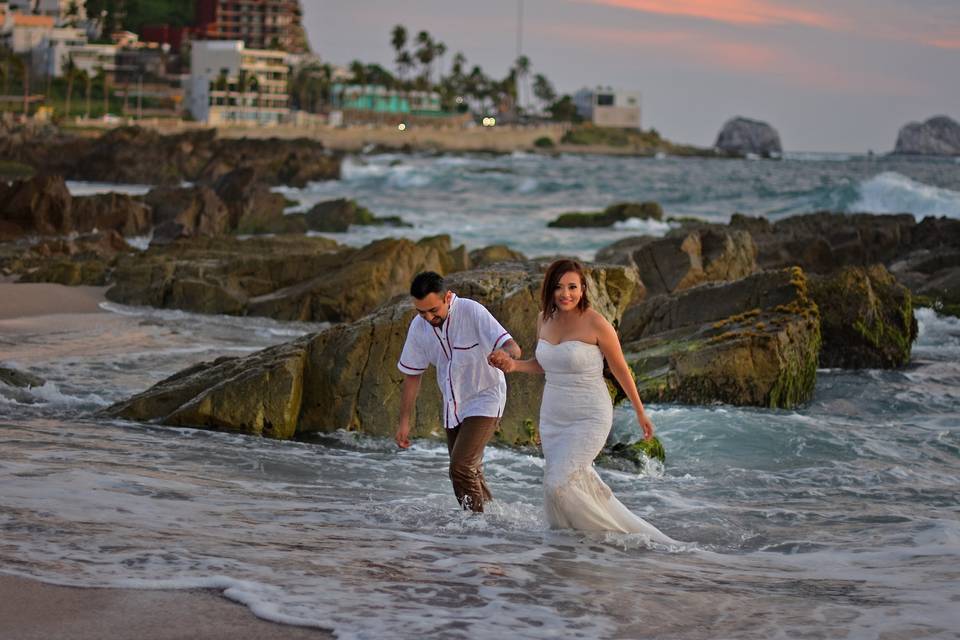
x=23 y=32
x=62 y=11
x=94 y=58
x=50 y=57
x=608 y=107
x=230 y=84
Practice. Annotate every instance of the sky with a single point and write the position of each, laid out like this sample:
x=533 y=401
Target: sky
x=828 y=75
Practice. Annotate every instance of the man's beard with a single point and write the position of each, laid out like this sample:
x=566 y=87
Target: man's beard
x=437 y=322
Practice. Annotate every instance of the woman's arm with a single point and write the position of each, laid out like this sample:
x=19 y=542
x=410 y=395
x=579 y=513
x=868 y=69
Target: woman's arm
x=609 y=344
x=505 y=363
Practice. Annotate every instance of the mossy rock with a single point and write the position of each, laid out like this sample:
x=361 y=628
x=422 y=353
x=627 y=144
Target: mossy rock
x=11 y=170
x=544 y=142
x=866 y=318
x=609 y=216
x=632 y=456
x=337 y=216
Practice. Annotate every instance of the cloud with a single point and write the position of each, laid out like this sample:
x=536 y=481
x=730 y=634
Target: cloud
x=735 y=12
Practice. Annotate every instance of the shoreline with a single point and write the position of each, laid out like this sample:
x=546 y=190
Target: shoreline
x=29 y=299
x=35 y=610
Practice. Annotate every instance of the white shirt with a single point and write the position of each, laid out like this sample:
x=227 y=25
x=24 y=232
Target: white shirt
x=459 y=350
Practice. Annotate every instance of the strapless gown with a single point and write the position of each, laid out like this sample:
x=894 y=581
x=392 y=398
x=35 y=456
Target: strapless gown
x=575 y=419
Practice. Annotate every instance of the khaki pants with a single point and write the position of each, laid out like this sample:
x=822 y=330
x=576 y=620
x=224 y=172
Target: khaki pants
x=465 y=442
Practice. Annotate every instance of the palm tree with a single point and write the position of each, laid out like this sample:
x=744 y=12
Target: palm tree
x=425 y=53
x=106 y=91
x=398 y=39
x=440 y=49
x=87 y=81
x=543 y=90
x=242 y=79
x=359 y=72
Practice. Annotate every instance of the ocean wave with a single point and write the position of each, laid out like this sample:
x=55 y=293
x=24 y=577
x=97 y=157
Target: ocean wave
x=48 y=394
x=648 y=227
x=892 y=192
x=83 y=188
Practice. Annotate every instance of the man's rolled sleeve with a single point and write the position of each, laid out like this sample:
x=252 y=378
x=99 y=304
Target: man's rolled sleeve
x=413 y=359
x=493 y=334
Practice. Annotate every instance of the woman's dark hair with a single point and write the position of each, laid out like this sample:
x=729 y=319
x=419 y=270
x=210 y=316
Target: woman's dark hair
x=425 y=283
x=552 y=278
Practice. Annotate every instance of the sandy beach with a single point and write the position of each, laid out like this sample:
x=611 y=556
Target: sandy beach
x=32 y=610
x=42 y=299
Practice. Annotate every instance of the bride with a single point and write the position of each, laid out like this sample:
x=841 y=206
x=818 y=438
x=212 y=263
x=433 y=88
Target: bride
x=576 y=412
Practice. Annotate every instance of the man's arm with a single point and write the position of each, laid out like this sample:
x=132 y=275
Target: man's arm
x=511 y=348
x=408 y=400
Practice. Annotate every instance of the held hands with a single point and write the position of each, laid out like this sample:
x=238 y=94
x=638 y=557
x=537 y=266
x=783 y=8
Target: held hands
x=502 y=361
x=646 y=424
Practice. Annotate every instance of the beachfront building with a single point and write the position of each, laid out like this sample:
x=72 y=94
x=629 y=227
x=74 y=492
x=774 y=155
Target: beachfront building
x=62 y=11
x=231 y=84
x=23 y=32
x=379 y=99
x=608 y=107
x=50 y=57
x=95 y=58
x=260 y=24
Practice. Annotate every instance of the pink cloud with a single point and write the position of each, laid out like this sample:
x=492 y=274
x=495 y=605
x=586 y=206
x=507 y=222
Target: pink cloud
x=736 y=12
x=944 y=43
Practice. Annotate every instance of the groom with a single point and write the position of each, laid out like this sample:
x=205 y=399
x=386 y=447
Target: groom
x=456 y=335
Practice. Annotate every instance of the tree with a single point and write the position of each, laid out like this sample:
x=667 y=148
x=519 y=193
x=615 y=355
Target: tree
x=425 y=54
x=440 y=49
x=398 y=40
x=359 y=72
x=543 y=90
x=87 y=81
x=563 y=110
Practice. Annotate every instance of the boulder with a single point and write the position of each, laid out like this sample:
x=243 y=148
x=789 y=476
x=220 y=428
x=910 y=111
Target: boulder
x=119 y=212
x=866 y=318
x=186 y=212
x=338 y=215
x=20 y=379
x=678 y=263
x=37 y=206
x=609 y=216
x=742 y=136
x=938 y=136
x=493 y=254
x=621 y=251
x=349 y=377
x=750 y=342
x=252 y=207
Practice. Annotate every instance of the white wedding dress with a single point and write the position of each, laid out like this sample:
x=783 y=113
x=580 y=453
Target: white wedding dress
x=575 y=419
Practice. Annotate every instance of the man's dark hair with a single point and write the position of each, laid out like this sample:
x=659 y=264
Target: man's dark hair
x=425 y=283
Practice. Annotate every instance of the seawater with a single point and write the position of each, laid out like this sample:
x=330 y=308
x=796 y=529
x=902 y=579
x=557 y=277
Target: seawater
x=838 y=519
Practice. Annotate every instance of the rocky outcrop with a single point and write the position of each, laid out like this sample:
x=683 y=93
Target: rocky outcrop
x=866 y=318
x=37 y=206
x=678 y=263
x=284 y=277
x=84 y=260
x=187 y=213
x=348 y=376
x=252 y=207
x=750 y=342
x=609 y=216
x=938 y=136
x=742 y=136
x=20 y=379
x=493 y=254
x=143 y=156
x=338 y=215
x=43 y=206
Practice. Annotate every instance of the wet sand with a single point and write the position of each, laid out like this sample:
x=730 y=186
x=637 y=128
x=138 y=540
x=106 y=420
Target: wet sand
x=32 y=610
x=41 y=299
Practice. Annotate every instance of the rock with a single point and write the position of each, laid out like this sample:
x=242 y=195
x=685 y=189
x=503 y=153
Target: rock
x=823 y=242
x=20 y=379
x=338 y=215
x=751 y=342
x=742 y=136
x=186 y=212
x=632 y=457
x=612 y=214
x=493 y=254
x=866 y=319
x=938 y=136
x=621 y=251
x=349 y=376
x=678 y=263
x=119 y=212
x=252 y=207
x=70 y=271
x=37 y=206
x=284 y=277
x=142 y=156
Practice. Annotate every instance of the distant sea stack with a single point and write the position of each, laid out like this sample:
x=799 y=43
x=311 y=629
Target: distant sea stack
x=741 y=136
x=938 y=136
